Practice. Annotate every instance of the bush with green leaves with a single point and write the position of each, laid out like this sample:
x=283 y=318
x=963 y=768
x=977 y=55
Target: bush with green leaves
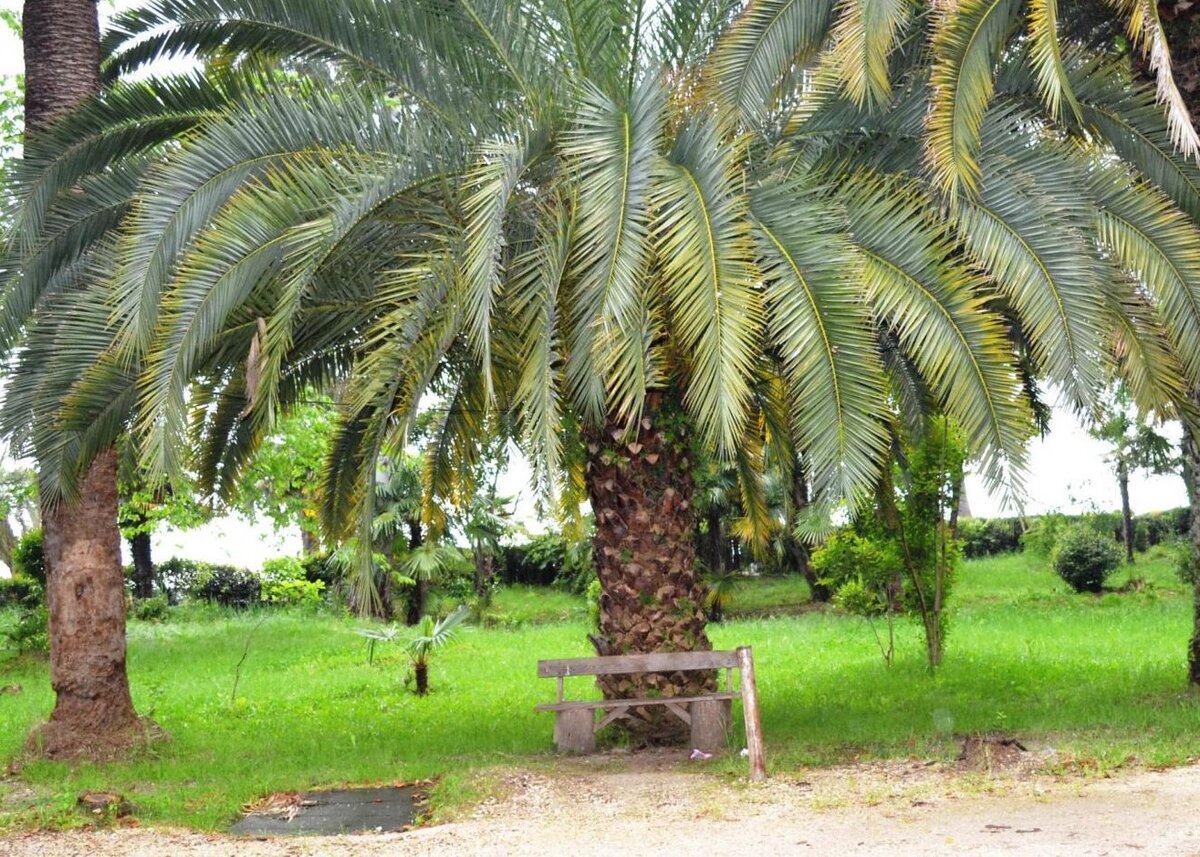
x=1085 y=558
x=153 y=609
x=860 y=571
x=989 y=536
x=29 y=557
x=31 y=633
x=22 y=592
x=179 y=577
x=228 y=586
x=285 y=582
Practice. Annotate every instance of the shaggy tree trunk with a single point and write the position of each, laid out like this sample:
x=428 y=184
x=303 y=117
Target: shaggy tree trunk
x=1126 y=511
x=85 y=589
x=143 y=565
x=421 y=673
x=1191 y=477
x=85 y=592
x=641 y=492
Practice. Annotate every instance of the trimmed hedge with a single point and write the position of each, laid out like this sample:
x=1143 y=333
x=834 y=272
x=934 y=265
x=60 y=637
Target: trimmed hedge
x=989 y=536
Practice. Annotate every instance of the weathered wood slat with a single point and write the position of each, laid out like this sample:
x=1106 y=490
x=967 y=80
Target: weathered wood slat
x=658 y=662
x=616 y=714
x=631 y=703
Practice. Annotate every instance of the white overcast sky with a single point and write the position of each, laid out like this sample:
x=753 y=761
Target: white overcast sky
x=1066 y=470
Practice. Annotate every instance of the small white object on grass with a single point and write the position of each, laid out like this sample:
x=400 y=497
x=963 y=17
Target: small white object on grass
x=745 y=752
x=699 y=755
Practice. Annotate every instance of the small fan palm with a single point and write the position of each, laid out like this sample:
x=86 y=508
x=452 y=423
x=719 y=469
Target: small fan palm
x=432 y=637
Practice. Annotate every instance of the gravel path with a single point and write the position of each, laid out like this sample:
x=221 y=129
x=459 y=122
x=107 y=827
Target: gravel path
x=658 y=806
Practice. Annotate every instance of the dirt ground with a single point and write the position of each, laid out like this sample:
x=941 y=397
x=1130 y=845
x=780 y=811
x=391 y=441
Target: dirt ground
x=661 y=804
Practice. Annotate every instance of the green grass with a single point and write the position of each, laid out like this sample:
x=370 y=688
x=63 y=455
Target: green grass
x=1099 y=678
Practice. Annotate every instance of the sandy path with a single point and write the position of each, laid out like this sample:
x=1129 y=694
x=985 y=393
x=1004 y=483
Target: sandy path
x=656 y=808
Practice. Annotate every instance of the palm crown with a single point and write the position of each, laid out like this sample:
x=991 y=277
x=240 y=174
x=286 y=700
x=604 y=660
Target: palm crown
x=798 y=215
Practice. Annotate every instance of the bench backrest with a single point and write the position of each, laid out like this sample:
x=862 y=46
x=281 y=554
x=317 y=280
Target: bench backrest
x=659 y=662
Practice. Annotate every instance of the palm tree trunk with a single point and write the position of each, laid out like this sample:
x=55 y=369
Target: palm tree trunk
x=1191 y=476
x=85 y=589
x=143 y=565
x=85 y=592
x=641 y=492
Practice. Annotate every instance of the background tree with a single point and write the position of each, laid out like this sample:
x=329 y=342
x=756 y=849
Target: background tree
x=19 y=513
x=1133 y=445
x=283 y=478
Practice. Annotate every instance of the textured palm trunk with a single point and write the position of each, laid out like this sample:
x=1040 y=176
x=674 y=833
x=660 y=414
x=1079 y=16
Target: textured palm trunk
x=641 y=492
x=421 y=673
x=1181 y=23
x=1191 y=477
x=85 y=589
x=85 y=592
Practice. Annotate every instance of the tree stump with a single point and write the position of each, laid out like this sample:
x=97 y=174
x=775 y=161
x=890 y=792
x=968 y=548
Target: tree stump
x=574 y=731
x=710 y=724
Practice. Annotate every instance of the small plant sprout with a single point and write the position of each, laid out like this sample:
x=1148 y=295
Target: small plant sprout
x=431 y=638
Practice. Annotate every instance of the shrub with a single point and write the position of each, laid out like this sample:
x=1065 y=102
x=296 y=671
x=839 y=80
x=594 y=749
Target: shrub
x=32 y=631
x=153 y=609
x=293 y=592
x=1084 y=558
x=285 y=582
x=23 y=592
x=594 y=591
x=29 y=557
x=228 y=586
x=989 y=536
x=848 y=558
x=178 y=577
x=1184 y=562
x=318 y=567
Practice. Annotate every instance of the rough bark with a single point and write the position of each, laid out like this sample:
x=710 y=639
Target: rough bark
x=85 y=589
x=62 y=57
x=641 y=491
x=143 y=565
x=1126 y=511
x=1191 y=476
x=421 y=673
x=85 y=592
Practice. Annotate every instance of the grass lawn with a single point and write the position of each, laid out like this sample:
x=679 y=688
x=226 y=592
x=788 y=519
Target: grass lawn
x=1099 y=678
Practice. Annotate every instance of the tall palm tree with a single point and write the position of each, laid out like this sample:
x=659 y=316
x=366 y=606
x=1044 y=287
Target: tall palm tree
x=639 y=229
x=85 y=585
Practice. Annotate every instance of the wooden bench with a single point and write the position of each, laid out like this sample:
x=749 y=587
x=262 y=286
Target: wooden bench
x=575 y=723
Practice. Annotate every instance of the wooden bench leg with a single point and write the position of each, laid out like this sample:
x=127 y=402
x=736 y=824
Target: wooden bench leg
x=574 y=731
x=710 y=724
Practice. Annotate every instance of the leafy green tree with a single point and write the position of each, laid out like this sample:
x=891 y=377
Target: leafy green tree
x=282 y=481
x=643 y=231
x=1133 y=445
x=19 y=513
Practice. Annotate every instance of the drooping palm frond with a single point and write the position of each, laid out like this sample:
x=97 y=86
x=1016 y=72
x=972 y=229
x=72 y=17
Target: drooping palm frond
x=967 y=40
x=611 y=151
x=702 y=236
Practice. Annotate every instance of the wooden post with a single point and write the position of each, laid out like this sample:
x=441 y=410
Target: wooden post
x=710 y=724
x=754 y=737
x=575 y=731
